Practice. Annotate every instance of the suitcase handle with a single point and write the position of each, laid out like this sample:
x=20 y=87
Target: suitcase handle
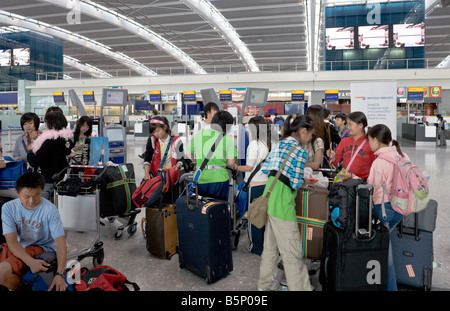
x=189 y=203
x=370 y=188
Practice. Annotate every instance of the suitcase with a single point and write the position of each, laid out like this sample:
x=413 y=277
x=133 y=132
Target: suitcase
x=117 y=187
x=359 y=262
x=160 y=230
x=204 y=236
x=412 y=248
x=311 y=205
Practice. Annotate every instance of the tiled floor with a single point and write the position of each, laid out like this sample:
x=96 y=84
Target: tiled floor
x=130 y=256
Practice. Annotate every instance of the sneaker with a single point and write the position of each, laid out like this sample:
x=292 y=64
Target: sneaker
x=273 y=287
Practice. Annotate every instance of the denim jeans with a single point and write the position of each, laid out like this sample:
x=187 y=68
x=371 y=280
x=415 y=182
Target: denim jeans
x=47 y=192
x=218 y=190
x=390 y=221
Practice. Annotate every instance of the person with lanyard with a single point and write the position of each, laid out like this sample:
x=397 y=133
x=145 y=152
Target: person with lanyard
x=29 y=122
x=214 y=178
x=354 y=152
x=284 y=167
x=163 y=150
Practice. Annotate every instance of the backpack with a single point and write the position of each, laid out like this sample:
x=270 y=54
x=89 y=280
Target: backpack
x=342 y=205
x=153 y=191
x=103 y=278
x=409 y=191
x=278 y=120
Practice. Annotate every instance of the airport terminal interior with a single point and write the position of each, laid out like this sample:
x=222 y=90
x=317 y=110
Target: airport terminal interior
x=117 y=61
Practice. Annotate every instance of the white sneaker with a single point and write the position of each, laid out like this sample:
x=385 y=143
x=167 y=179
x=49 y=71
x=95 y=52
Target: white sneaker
x=273 y=287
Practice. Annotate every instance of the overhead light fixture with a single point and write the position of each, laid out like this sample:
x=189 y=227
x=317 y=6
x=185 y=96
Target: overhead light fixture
x=211 y=15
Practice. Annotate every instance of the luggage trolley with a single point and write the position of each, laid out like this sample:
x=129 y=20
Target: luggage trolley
x=80 y=211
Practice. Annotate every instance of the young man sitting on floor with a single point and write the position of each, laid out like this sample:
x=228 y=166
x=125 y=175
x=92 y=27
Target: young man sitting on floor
x=31 y=225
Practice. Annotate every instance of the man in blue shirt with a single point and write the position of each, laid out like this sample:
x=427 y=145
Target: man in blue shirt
x=31 y=225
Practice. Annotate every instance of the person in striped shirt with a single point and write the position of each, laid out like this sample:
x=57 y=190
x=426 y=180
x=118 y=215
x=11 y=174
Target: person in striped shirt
x=282 y=235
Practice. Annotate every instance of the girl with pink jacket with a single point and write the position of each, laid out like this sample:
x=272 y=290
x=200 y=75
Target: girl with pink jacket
x=380 y=177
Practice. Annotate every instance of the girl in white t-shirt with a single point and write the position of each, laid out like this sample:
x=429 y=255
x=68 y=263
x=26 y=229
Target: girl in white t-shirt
x=257 y=151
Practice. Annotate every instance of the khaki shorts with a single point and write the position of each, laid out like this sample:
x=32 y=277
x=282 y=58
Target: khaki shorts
x=17 y=265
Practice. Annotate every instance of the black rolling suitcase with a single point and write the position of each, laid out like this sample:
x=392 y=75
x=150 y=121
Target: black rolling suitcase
x=357 y=260
x=204 y=236
x=412 y=248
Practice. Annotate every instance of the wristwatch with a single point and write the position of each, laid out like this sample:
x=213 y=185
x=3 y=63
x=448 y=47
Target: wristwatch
x=63 y=274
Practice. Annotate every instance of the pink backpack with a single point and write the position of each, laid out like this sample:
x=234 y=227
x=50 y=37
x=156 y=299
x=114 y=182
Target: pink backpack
x=409 y=191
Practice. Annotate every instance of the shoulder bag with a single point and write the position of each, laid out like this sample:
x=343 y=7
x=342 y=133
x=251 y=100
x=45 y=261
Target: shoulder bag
x=257 y=212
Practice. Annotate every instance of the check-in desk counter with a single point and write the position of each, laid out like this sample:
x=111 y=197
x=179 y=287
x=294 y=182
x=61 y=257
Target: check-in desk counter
x=421 y=134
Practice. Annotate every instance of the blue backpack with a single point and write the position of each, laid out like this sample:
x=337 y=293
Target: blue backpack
x=279 y=121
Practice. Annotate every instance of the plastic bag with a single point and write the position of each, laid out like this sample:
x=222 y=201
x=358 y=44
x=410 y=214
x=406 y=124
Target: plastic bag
x=340 y=176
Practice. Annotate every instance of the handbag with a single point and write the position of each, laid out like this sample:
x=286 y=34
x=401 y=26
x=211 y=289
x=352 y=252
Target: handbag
x=257 y=212
x=241 y=198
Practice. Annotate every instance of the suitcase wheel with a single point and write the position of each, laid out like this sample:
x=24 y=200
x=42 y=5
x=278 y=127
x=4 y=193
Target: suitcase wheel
x=118 y=234
x=235 y=239
x=98 y=260
x=132 y=229
x=208 y=274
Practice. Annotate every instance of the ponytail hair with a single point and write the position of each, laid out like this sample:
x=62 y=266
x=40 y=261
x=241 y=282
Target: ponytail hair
x=295 y=122
x=384 y=136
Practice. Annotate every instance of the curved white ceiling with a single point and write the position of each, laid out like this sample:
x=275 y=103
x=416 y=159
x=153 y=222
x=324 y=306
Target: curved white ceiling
x=34 y=25
x=100 y=12
x=93 y=71
x=209 y=12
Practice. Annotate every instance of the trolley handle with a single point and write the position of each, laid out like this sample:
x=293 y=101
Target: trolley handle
x=99 y=176
x=57 y=176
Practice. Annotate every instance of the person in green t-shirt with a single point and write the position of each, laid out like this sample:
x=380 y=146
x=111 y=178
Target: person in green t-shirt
x=282 y=235
x=214 y=179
